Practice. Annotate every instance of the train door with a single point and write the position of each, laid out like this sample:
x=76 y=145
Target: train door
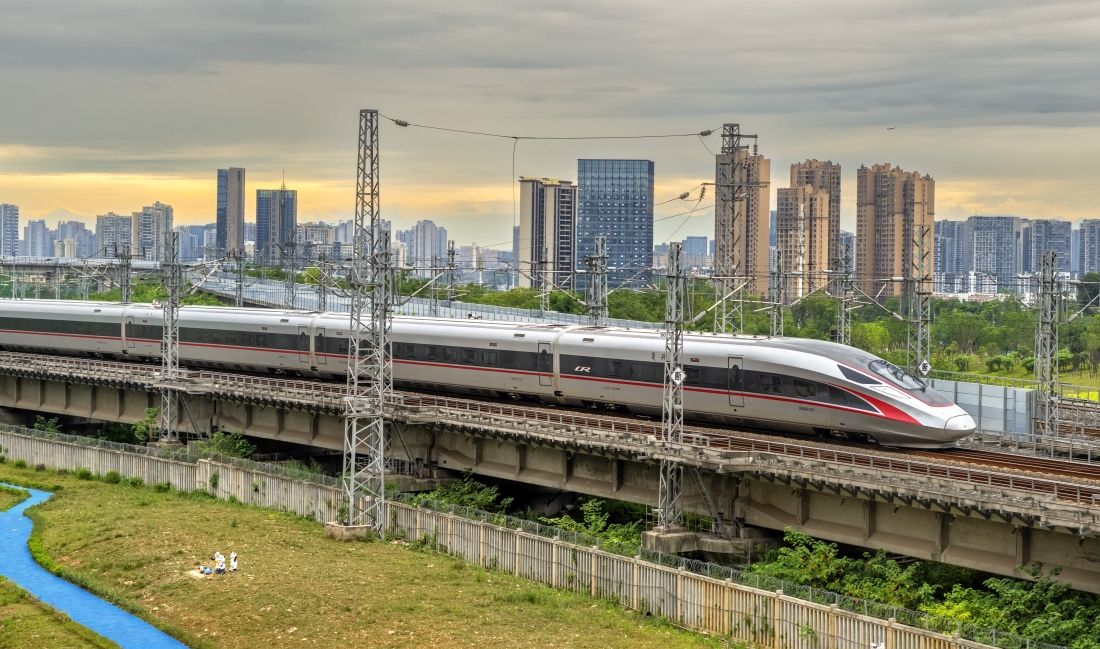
x=735 y=380
x=320 y=347
x=128 y=332
x=303 y=344
x=545 y=365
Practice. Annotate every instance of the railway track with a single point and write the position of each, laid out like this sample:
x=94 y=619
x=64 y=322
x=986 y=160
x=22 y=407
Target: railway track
x=1031 y=464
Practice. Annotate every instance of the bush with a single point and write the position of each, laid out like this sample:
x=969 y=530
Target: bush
x=3 y=458
x=162 y=487
x=20 y=464
x=40 y=467
x=112 y=477
x=134 y=482
x=83 y=474
x=214 y=481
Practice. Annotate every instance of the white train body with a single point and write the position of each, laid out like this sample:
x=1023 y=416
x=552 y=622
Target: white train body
x=784 y=384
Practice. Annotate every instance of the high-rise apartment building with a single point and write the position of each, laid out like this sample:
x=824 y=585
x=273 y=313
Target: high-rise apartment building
x=748 y=234
x=895 y=210
x=547 y=232
x=615 y=200
x=823 y=176
x=848 y=249
x=1048 y=235
x=802 y=237
x=9 y=230
x=192 y=241
x=37 y=239
x=112 y=232
x=993 y=245
x=276 y=220
x=1089 y=254
x=148 y=229
x=230 y=209
x=949 y=240
x=425 y=245
x=83 y=238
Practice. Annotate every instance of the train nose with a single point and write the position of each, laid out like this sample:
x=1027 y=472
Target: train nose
x=963 y=424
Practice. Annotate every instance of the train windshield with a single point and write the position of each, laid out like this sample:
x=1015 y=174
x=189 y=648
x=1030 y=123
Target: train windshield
x=896 y=375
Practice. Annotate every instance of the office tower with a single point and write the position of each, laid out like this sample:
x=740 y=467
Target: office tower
x=695 y=251
x=949 y=240
x=230 y=209
x=1090 y=246
x=37 y=239
x=1047 y=235
x=426 y=244
x=993 y=245
x=895 y=210
x=192 y=242
x=824 y=176
x=615 y=200
x=848 y=247
x=802 y=237
x=112 y=231
x=750 y=230
x=9 y=230
x=147 y=230
x=547 y=232
x=276 y=220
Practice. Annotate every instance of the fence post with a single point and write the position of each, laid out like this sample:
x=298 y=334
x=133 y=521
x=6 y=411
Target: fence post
x=832 y=625
x=481 y=543
x=777 y=603
x=680 y=595
x=635 y=576
x=554 y=562
x=890 y=634
x=416 y=525
x=515 y=563
x=592 y=569
x=728 y=622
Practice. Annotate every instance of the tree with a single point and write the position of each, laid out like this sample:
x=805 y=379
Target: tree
x=51 y=425
x=228 y=445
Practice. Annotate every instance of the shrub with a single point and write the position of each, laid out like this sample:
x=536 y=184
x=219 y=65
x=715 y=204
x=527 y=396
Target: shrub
x=162 y=487
x=83 y=473
x=134 y=482
x=40 y=467
x=3 y=458
x=20 y=464
x=112 y=477
x=214 y=481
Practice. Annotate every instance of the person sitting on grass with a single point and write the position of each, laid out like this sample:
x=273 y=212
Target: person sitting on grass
x=219 y=567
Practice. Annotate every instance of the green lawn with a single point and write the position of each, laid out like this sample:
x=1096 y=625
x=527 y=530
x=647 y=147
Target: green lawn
x=27 y=622
x=10 y=497
x=297 y=587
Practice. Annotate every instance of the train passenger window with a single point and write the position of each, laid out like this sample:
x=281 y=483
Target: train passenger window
x=303 y=341
x=805 y=389
x=691 y=375
x=770 y=383
x=469 y=356
x=545 y=361
x=490 y=357
x=431 y=352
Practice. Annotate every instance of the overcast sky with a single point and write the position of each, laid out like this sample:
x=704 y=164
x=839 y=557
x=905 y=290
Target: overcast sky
x=108 y=106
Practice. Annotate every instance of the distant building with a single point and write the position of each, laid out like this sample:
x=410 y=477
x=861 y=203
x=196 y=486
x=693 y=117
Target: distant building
x=37 y=239
x=64 y=248
x=1090 y=246
x=802 y=237
x=276 y=220
x=750 y=232
x=1075 y=250
x=547 y=232
x=426 y=245
x=848 y=247
x=83 y=238
x=949 y=240
x=994 y=245
x=615 y=200
x=317 y=233
x=695 y=251
x=1047 y=235
x=230 y=209
x=112 y=233
x=148 y=229
x=192 y=242
x=823 y=176
x=895 y=210
x=9 y=230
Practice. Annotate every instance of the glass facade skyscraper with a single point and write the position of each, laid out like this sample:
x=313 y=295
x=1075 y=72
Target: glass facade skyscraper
x=276 y=220
x=615 y=200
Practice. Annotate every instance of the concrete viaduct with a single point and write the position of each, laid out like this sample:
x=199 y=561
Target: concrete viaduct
x=995 y=520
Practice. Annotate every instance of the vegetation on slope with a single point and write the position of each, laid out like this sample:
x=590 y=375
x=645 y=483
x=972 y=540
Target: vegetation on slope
x=135 y=546
x=27 y=622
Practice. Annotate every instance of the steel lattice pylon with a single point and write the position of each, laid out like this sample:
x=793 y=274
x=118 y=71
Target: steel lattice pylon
x=370 y=379
x=169 y=341
x=597 y=284
x=1046 y=348
x=122 y=253
x=731 y=180
x=290 y=274
x=779 y=296
x=844 y=301
x=919 y=357
x=670 y=513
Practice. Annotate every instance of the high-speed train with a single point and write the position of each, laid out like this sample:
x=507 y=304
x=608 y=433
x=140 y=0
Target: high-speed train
x=785 y=384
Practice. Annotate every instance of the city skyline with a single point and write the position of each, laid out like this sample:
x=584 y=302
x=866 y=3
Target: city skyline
x=856 y=83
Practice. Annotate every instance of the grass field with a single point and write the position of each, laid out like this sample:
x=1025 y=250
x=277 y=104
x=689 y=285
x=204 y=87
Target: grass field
x=297 y=588
x=10 y=497
x=26 y=622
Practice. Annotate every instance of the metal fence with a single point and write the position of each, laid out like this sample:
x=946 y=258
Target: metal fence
x=741 y=605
